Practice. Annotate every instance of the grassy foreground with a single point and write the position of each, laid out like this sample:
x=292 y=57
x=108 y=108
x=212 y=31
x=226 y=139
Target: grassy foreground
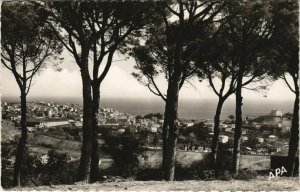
x=258 y=184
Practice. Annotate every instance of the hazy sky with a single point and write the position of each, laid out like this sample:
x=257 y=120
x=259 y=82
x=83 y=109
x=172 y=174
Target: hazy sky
x=118 y=83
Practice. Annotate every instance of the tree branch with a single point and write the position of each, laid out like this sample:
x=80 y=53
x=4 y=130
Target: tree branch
x=29 y=86
x=156 y=87
x=60 y=39
x=211 y=83
x=288 y=84
x=172 y=11
x=4 y=63
x=107 y=66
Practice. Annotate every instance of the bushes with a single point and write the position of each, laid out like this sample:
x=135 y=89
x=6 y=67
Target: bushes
x=53 y=169
x=198 y=170
x=195 y=174
x=6 y=177
x=225 y=175
x=8 y=152
x=124 y=151
x=224 y=159
x=246 y=175
x=149 y=174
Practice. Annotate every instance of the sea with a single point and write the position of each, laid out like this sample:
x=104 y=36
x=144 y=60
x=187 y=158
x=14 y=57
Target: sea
x=187 y=109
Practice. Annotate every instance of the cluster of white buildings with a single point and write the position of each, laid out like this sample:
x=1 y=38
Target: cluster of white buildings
x=111 y=117
x=46 y=115
x=276 y=113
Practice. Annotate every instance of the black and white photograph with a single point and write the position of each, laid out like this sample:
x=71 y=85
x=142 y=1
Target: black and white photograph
x=141 y=95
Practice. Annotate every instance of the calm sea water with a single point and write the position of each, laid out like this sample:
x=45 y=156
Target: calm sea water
x=188 y=109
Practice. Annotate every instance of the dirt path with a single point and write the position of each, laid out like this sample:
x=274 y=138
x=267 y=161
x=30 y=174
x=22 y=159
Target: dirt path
x=259 y=184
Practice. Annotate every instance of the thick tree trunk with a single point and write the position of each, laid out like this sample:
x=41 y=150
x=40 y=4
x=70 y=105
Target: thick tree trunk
x=238 y=127
x=95 y=147
x=294 y=138
x=215 y=139
x=165 y=142
x=171 y=130
x=83 y=173
x=18 y=166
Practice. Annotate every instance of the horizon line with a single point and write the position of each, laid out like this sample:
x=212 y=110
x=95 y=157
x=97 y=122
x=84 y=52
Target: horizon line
x=140 y=98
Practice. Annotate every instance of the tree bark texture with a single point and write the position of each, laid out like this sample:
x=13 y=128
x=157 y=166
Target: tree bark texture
x=83 y=173
x=294 y=138
x=95 y=148
x=238 y=126
x=215 y=139
x=170 y=130
x=18 y=166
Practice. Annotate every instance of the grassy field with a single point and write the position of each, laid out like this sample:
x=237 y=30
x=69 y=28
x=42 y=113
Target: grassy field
x=255 y=162
x=40 y=143
x=153 y=159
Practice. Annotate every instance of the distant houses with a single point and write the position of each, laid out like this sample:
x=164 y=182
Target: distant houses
x=223 y=139
x=260 y=134
x=47 y=123
x=276 y=113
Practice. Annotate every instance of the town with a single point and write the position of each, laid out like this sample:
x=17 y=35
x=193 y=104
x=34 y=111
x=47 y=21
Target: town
x=264 y=135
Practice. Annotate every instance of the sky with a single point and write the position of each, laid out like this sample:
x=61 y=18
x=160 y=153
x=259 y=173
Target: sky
x=119 y=83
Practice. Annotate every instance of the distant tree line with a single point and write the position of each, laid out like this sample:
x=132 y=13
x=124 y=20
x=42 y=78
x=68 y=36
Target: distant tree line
x=241 y=44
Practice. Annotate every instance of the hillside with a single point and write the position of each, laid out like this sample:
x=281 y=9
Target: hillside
x=259 y=184
x=153 y=159
x=8 y=131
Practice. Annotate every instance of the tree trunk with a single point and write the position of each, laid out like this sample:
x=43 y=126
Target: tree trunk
x=238 y=126
x=215 y=139
x=294 y=138
x=165 y=141
x=171 y=130
x=83 y=173
x=95 y=150
x=18 y=166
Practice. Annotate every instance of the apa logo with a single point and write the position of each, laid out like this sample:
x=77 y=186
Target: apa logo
x=278 y=171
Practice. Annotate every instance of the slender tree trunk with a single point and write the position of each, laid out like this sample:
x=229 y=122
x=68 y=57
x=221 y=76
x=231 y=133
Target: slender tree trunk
x=165 y=142
x=172 y=129
x=95 y=147
x=294 y=138
x=238 y=126
x=18 y=166
x=215 y=139
x=83 y=173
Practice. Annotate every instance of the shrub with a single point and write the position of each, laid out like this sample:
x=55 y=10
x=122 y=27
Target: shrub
x=197 y=170
x=246 y=174
x=264 y=172
x=224 y=159
x=124 y=150
x=6 y=178
x=56 y=170
x=149 y=174
x=8 y=152
x=225 y=175
x=208 y=175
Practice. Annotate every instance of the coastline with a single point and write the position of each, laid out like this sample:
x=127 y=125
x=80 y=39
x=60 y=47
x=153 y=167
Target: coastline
x=188 y=109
